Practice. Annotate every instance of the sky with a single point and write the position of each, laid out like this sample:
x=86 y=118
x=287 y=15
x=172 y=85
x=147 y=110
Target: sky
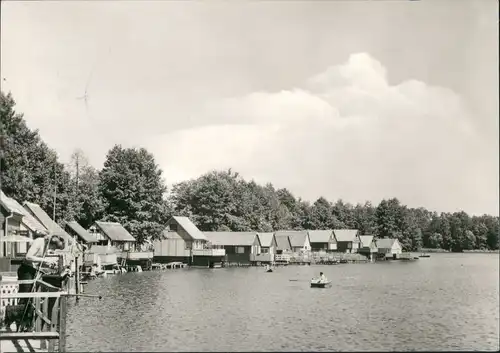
x=351 y=100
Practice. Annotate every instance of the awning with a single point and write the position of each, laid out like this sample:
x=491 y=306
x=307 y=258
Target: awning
x=16 y=239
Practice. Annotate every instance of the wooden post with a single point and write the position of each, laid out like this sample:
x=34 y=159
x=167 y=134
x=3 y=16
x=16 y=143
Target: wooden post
x=62 y=322
x=77 y=276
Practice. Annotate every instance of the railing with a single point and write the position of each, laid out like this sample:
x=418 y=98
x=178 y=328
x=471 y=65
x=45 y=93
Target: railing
x=209 y=252
x=282 y=257
x=261 y=257
x=136 y=255
x=47 y=309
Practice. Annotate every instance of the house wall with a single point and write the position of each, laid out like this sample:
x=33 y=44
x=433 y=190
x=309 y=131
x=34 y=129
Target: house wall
x=256 y=248
x=9 y=249
x=171 y=248
x=319 y=246
x=344 y=246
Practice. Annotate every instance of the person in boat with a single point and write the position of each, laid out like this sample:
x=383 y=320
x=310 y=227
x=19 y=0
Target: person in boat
x=322 y=278
x=35 y=260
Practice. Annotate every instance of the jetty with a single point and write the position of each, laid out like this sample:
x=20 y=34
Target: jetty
x=46 y=310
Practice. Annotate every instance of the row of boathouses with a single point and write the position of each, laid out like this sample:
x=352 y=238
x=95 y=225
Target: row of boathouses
x=110 y=244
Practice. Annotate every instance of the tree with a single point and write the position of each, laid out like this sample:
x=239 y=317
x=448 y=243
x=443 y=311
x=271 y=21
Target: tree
x=87 y=205
x=389 y=218
x=30 y=170
x=133 y=191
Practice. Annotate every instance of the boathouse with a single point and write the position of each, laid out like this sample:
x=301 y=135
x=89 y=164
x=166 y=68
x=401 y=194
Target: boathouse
x=239 y=246
x=368 y=247
x=183 y=241
x=42 y=217
x=268 y=248
x=322 y=240
x=112 y=234
x=347 y=240
x=299 y=239
x=18 y=228
x=79 y=233
x=390 y=248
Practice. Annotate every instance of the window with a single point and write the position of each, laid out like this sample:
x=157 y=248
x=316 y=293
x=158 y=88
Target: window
x=240 y=249
x=173 y=227
x=265 y=250
x=22 y=248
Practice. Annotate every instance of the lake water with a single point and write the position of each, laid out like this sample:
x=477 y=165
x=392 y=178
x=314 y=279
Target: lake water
x=446 y=302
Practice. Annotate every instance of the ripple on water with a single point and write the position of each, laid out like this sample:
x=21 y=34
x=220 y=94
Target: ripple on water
x=425 y=305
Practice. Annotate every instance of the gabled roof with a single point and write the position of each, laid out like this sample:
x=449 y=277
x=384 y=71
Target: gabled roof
x=320 y=236
x=41 y=216
x=366 y=240
x=345 y=234
x=9 y=204
x=297 y=237
x=81 y=232
x=170 y=235
x=385 y=243
x=189 y=227
x=28 y=220
x=115 y=231
x=231 y=238
x=266 y=239
x=283 y=242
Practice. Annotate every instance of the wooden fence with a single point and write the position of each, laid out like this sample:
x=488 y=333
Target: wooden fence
x=47 y=307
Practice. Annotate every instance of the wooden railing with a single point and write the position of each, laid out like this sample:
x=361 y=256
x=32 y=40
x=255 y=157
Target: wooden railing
x=47 y=308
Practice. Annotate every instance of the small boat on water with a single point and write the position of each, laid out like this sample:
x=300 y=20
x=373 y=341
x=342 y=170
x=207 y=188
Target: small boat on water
x=424 y=255
x=315 y=283
x=269 y=270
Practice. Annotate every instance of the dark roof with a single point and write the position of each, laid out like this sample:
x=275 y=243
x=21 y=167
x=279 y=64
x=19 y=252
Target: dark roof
x=283 y=242
x=320 y=236
x=231 y=238
x=190 y=228
x=345 y=234
x=46 y=221
x=266 y=239
x=28 y=220
x=297 y=237
x=81 y=232
x=115 y=231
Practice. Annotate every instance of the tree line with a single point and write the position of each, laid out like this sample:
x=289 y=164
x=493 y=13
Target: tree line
x=130 y=189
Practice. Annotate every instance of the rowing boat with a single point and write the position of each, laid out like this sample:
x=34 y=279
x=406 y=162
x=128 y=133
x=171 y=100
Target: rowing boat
x=318 y=284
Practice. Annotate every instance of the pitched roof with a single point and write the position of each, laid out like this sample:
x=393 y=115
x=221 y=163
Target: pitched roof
x=28 y=220
x=385 y=243
x=81 y=232
x=9 y=204
x=266 y=239
x=366 y=240
x=283 y=242
x=115 y=231
x=231 y=238
x=345 y=234
x=297 y=237
x=190 y=228
x=42 y=217
x=320 y=236
x=170 y=235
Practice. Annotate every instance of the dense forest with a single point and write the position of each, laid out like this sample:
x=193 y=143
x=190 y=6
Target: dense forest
x=130 y=189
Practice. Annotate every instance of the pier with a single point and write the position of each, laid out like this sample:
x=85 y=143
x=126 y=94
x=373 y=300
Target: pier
x=46 y=310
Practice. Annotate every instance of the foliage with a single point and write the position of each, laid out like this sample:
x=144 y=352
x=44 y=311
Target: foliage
x=130 y=190
x=133 y=192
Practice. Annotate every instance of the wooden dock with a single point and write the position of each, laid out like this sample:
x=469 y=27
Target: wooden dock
x=49 y=308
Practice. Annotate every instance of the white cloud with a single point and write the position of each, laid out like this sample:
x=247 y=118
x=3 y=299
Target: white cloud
x=346 y=134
